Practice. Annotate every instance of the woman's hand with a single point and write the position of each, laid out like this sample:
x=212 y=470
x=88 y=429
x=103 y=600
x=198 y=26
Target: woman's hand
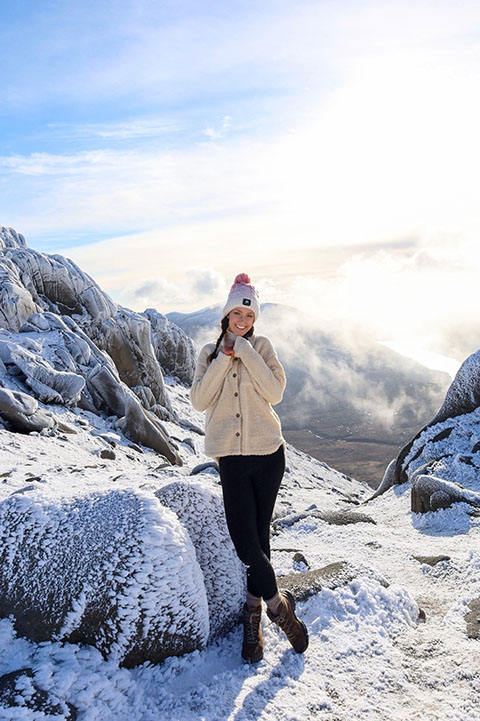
x=228 y=350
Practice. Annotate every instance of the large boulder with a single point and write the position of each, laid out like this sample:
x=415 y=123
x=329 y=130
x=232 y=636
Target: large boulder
x=112 y=569
x=200 y=510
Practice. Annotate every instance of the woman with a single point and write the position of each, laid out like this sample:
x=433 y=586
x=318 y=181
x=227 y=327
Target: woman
x=236 y=381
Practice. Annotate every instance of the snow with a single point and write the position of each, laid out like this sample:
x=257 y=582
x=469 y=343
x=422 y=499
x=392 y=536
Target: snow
x=389 y=644
x=369 y=656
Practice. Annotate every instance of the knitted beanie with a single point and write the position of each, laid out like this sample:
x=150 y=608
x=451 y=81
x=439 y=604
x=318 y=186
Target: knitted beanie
x=242 y=293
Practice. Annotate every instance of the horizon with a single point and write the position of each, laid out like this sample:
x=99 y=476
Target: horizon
x=329 y=150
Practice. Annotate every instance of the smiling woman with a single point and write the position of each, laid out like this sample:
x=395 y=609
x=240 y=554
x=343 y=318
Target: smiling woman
x=237 y=381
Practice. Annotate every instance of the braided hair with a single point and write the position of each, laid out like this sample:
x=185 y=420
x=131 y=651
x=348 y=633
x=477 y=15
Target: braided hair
x=224 y=323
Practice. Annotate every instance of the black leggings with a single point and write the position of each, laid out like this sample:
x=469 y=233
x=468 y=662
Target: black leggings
x=250 y=485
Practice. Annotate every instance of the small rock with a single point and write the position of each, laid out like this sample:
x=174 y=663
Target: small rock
x=65 y=428
x=304 y=585
x=431 y=560
x=204 y=466
x=108 y=453
x=300 y=558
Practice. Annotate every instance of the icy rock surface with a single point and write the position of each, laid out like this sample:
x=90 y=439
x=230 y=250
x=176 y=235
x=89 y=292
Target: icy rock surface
x=200 y=510
x=463 y=396
x=430 y=493
x=174 y=350
x=66 y=342
x=115 y=570
x=18 y=690
x=20 y=411
x=443 y=460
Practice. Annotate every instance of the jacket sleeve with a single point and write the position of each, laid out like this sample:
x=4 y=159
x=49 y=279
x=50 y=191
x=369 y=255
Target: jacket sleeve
x=268 y=376
x=208 y=379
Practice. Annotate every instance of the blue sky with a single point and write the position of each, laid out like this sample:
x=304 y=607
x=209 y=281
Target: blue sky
x=328 y=148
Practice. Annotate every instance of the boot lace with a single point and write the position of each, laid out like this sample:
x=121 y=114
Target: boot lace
x=252 y=622
x=288 y=625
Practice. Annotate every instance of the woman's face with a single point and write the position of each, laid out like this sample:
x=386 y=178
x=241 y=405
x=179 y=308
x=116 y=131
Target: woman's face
x=240 y=320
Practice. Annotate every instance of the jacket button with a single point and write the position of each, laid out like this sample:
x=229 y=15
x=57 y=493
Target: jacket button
x=238 y=415
x=235 y=394
x=234 y=375
x=237 y=434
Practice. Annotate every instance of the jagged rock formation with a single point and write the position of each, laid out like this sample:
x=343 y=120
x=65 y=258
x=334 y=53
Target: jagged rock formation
x=116 y=570
x=63 y=340
x=443 y=461
x=174 y=350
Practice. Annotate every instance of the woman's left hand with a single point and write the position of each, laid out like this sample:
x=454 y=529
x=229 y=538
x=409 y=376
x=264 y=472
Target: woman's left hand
x=228 y=350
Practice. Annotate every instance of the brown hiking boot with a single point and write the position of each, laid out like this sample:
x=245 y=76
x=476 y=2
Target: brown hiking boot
x=252 y=647
x=295 y=629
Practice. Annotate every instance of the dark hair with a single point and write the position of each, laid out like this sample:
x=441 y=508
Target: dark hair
x=224 y=324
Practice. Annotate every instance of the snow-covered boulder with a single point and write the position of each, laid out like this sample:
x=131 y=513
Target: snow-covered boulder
x=463 y=396
x=443 y=460
x=112 y=569
x=200 y=510
x=430 y=494
x=174 y=350
x=21 y=412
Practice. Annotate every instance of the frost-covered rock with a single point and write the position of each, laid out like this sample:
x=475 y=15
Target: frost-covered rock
x=21 y=412
x=115 y=570
x=142 y=428
x=127 y=339
x=34 y=285
x=463 y=396
x=66 y=342
x=174 y=350
x=200 y=510
x=20 y=697
x=430 y=494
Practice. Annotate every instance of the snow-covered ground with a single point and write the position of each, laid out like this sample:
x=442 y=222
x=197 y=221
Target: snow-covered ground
x=370 y=656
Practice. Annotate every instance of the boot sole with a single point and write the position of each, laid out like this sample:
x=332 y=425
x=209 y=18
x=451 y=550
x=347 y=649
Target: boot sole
x=290 y=597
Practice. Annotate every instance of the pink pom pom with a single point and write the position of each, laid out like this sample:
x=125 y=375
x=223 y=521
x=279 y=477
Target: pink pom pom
x=242 y=278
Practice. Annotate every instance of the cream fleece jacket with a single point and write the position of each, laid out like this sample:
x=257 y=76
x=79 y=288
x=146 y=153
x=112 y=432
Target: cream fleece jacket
x=237 y=394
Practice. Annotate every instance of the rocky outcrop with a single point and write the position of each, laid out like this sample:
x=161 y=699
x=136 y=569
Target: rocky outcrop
x=115 y=570
x=66 y=342
x=201 y=512
x=442 y=461
x=174 y=350
x=463 y=396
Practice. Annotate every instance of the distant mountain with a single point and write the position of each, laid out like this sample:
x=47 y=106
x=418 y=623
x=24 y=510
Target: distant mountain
x=349 y=401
